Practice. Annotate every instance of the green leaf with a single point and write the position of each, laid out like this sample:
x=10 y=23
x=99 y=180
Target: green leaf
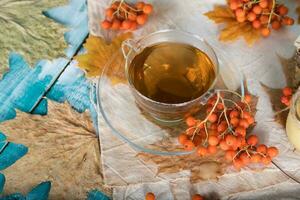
x=26 y=30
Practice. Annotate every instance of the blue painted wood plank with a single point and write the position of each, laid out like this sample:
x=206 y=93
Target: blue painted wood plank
x=75 y=16
x=15 y=196
x=97 y=195
x=72 y=86
x=40 y=192
x=41 y=108
x=23 y=86
x=2 y=182
x=10 y=152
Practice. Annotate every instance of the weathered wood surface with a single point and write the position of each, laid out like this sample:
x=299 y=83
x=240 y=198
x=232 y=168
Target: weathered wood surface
x=37 y=45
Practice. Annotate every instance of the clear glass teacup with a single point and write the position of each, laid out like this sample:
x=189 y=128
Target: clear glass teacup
x=162 y=111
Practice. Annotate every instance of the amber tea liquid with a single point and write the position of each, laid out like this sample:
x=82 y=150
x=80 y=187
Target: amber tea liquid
x=172 y=72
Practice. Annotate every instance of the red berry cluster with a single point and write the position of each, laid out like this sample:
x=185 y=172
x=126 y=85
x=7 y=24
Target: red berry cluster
x=286 y=97
x=123 y=16
x=263 y=14
x=225 y=128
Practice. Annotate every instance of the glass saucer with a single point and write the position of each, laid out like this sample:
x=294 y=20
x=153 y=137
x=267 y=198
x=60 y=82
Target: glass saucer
x=117 y=106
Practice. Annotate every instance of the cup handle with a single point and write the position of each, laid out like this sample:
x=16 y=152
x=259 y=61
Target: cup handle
x=127 y=46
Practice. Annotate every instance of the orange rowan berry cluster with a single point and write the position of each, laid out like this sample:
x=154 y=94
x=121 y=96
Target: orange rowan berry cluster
x=286 y=97
x=263 y=14
x=225 y=128
x=123 y=16
x=251 y=152
x=151 y=196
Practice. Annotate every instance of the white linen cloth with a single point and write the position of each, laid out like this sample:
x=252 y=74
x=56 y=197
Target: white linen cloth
x=259 y=63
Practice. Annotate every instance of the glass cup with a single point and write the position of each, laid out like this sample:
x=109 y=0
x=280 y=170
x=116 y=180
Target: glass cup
x=165 y=112
x=293 y=121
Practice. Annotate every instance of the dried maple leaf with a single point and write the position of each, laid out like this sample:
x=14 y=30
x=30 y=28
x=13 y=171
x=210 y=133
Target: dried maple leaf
x=63 y=148
x=99 y=53
x=277 y=106
x=290 y=72
x=296 y=65
x=254 y=100
x=201 y=168
x=298 y=12
x=233 y=29
x=24 y=29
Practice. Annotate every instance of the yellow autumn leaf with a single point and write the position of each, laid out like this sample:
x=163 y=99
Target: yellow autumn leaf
x=221 y=14
x=233 y=29
x=99 y=53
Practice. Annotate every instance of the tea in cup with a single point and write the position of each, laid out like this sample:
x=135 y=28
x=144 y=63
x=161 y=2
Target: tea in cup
x=171 y=73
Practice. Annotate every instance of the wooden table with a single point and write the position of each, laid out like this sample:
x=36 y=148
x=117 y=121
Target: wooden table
x=38 y=42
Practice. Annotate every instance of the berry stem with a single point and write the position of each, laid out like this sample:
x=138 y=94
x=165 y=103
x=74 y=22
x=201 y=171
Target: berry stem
x=224 y=133
x=243 y=149
x=255 y=152
x=122 y=2
x=214 y=107
x=206 y=134
x=272 y=12
x=125 y=11
x=237 y=94
x=206 y=119
x=250 y=3
x=118 y=9
x=248 y=153
x=131 y=8
x=220 y=117
x=187 y=130
x=229 y=100
x=225 y=114
x=120 y=5
x=280 y=111
x=196 y=130
x=237 y=154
